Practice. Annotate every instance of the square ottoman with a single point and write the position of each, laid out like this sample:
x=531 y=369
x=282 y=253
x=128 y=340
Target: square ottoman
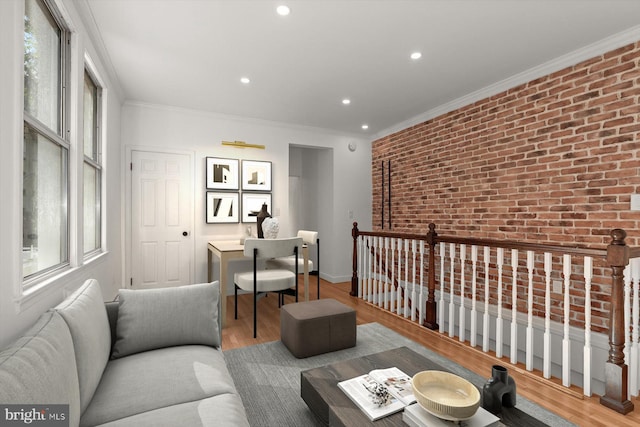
x=316 y=327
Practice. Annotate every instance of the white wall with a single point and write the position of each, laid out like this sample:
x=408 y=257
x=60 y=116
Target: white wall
x=201 y=133
x=18 y=312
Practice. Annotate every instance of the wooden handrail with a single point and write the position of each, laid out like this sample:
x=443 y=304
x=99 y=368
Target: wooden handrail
x=617 y=255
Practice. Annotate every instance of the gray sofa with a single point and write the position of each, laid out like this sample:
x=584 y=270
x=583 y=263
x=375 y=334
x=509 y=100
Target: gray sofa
x=151 y=359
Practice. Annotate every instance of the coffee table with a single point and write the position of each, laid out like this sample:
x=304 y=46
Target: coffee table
x=319 y=389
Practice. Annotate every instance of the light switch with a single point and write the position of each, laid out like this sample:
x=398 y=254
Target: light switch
x=635 y=202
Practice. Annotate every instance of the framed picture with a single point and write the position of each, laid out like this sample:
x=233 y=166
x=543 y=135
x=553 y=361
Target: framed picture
x=252 y=203
x=222 y=174
x=222 y=207
x=256 y=176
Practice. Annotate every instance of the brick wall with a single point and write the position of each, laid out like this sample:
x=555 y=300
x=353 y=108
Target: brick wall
x=554 y=160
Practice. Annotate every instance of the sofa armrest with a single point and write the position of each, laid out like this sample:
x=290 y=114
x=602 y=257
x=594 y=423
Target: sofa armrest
x=112 y=315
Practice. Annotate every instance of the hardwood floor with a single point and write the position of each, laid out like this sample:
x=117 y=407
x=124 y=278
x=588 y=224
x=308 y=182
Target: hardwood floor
x=569 y=404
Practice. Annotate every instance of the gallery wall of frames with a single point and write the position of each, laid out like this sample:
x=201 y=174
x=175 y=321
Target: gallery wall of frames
x=236 y=190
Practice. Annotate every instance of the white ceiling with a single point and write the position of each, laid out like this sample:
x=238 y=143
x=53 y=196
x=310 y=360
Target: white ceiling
x=192 y=53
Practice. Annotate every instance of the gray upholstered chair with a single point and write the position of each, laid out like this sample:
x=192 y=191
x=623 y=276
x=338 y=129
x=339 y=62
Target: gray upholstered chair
x=309 y=238
x=261 y=280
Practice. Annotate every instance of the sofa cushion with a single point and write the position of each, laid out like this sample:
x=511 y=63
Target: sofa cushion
x=40 y=368
x=224 y=410
x=86 y=317
x=154 y=379
x=155 y=318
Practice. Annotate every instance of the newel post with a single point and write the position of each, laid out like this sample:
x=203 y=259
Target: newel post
x=616 y=375
x=354 y=276
x=430 y=318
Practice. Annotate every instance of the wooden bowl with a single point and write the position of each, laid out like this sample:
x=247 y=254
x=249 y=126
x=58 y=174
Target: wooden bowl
x=446 y=395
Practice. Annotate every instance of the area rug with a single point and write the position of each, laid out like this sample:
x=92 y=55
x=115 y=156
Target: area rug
x=267 y=377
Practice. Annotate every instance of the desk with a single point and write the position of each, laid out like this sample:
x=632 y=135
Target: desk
x=227 y=250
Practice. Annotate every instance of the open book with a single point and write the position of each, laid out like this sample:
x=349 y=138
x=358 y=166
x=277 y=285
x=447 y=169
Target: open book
x=361 y=391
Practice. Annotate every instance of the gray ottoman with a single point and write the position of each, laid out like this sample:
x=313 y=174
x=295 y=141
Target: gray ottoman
x=316 y=327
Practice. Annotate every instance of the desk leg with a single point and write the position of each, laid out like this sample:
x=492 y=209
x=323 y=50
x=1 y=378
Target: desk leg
x=223 y=288
x=209 y=266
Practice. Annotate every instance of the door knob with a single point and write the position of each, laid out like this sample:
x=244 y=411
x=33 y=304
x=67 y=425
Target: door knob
x=185 y=233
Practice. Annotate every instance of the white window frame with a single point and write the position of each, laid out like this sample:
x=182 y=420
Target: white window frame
x=62 y=140
x=97 y=162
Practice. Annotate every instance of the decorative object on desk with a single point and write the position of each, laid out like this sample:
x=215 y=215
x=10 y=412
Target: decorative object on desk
x=446 y=395
x=262 y=215
x=242 y=144
x=270 y=227
x=252 y=204
x=222 y=208
x=256 y=175
x=499 y=390
x=222 y=174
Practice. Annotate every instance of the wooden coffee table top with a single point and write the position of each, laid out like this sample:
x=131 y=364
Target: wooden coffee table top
x=319 y=389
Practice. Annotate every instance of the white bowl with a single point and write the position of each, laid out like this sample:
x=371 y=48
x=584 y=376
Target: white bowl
x=446 y=395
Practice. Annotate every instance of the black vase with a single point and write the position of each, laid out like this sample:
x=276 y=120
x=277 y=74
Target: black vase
x=260 y=219
x=499 y=390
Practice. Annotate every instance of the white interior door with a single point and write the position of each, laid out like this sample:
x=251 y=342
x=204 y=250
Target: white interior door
x=161 y=220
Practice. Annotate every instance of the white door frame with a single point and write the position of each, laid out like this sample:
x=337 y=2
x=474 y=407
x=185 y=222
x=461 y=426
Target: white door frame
x=126 y=191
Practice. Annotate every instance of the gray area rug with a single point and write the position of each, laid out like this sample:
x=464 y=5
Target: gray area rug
x=267 y=377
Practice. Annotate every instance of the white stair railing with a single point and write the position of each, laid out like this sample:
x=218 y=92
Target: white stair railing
x=392 y=277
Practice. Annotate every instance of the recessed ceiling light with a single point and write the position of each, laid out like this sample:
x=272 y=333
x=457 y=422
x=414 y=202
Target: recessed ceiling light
x=416 y=55
x=365 y=127
x=245 y=80
x=283 y=10
x=346 y=101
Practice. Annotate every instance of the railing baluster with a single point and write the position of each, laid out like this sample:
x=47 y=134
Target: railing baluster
x=586 y=370
x=366 y=267
x=485 y=322
x=386 y=275
x=400 y=290
x=633 y=368
x=463 y=323
x=422 y=302
x=406 y=278
x=360 y=254
x=500 y=263
x=413 y=283
x=530 y=265
x=374 y=282
x=474 y=313
x=514 y=306
x=452 y=281
x=566 y=343
x=363 y=265
x=627 y=313
x=546 y=362
x=443 y=252
x=381 y=274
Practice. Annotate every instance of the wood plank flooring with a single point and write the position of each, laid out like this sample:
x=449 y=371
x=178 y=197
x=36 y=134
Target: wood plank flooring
x=569 y=404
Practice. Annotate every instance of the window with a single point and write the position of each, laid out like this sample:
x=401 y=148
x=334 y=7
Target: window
x=45 y=233
x=92 y=170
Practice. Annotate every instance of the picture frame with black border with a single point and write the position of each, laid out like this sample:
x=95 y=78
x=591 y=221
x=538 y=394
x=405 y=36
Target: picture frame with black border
x=222 y=174
x=256 y=175
x=252 y=204
x=222 y=207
